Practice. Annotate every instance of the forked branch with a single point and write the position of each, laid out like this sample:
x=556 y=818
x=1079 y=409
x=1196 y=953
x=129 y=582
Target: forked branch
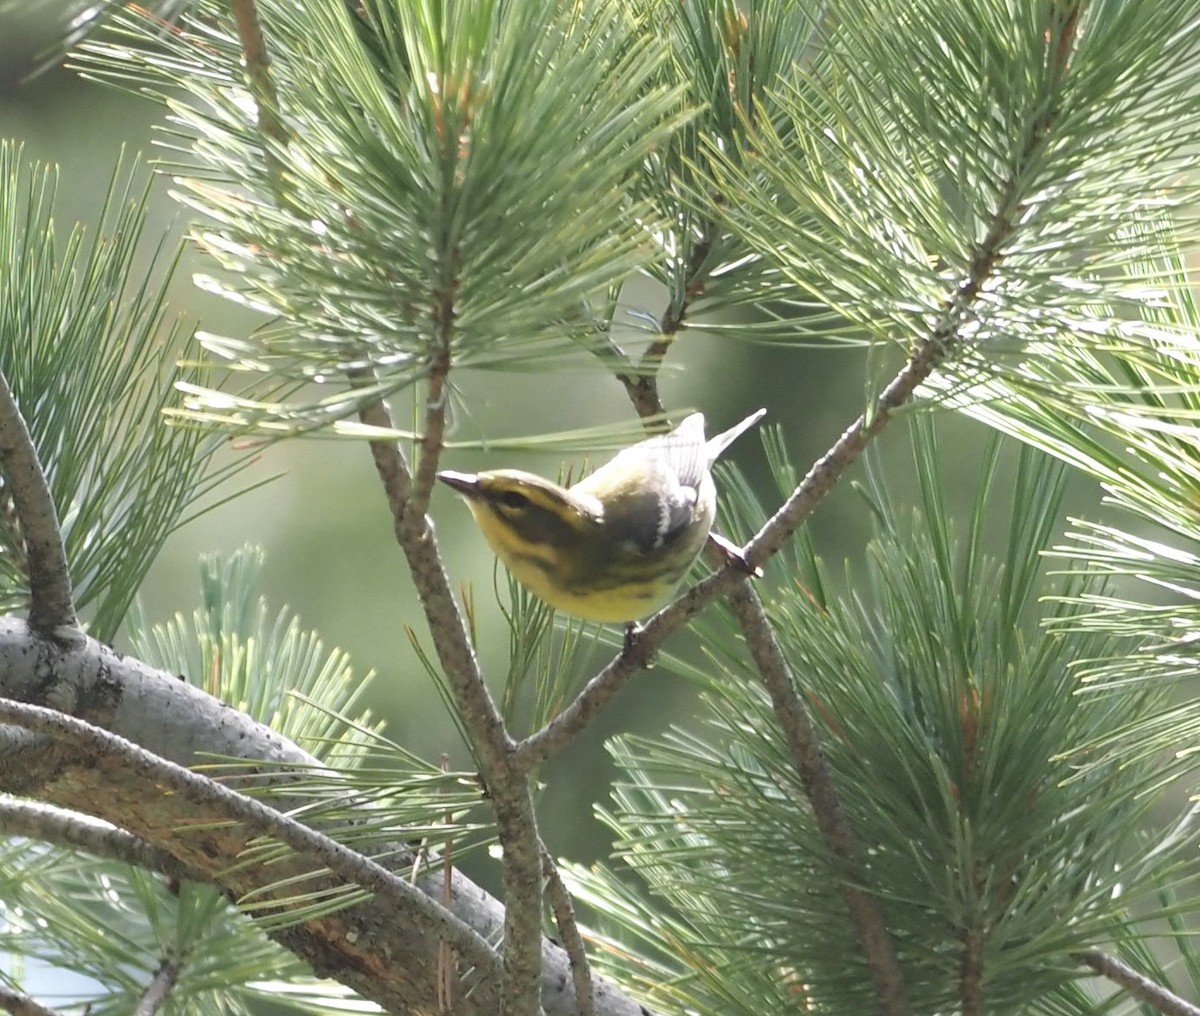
x=52 y=602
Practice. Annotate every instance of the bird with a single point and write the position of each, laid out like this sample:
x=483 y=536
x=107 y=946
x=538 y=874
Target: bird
x=615 y=546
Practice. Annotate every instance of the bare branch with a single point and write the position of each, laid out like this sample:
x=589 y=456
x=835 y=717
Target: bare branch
x=158 y=991
x=641 y=385
x=52 y=604
x=16 y=1004
x=822 y=794
x=1138 y=985
x=75 y=831
x=568 y=929
x=506 y=778
x=435 y=409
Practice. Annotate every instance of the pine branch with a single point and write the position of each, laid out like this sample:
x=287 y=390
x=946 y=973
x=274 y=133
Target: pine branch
x=641 y=647
x=508 y=785
x=945 y=336
x=90 y=355
x=51 y=600
x=642 y=389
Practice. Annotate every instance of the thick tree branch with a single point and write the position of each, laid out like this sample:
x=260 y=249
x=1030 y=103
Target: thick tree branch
x=107 y=750
x=1138 y=985
x=52 y=603
x=385 y=953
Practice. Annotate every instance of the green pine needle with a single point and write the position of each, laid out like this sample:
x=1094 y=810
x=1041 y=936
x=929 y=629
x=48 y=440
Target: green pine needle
x=978 y=770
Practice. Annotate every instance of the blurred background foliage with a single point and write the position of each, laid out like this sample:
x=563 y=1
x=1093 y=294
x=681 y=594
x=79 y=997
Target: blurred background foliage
x=331 y=555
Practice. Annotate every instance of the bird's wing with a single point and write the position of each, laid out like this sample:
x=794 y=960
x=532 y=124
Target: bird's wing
x=682 y=451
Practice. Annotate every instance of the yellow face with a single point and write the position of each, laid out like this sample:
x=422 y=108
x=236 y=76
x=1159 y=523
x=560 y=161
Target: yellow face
x=552 y=541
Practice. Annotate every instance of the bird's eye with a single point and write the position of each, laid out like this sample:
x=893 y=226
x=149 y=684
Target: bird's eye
x=513 y=499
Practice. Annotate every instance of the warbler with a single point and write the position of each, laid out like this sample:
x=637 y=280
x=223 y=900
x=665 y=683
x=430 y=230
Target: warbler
x=616 y=545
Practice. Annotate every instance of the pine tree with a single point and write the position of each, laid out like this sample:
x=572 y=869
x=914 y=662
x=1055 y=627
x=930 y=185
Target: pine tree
x=948 y=782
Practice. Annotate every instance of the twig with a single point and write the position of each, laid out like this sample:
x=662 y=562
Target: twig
x=434 y=432
x=970 y=972
x=504 y=773
x=1137 y=984
x=641 y=385
x=506 y=779
x=17 y=1004
x=51 y=600
x=75 y=831
x=481 y=717
x=158 y=991
x=262 y=88
x=789 y=708
x=446 y=957
x=259 y=817
x=434 y=429
x=769 y=540
x=638 y=652
x=572 y=940
x=822 y=794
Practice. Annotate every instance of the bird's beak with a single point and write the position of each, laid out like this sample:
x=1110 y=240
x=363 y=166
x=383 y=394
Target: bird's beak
x=466 y=484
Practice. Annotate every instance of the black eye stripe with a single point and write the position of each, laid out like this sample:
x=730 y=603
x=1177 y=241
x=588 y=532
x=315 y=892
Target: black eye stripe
x=512 y=499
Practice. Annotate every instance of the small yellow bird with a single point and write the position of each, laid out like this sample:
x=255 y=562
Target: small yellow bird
x=616 y=545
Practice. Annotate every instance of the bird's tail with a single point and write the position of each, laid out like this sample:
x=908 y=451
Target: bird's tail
x=719 y=442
